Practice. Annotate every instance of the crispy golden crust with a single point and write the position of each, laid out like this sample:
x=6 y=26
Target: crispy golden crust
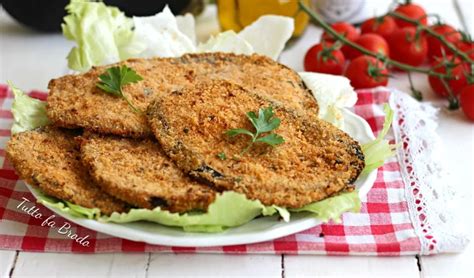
x=75 y=101
x=138 y=172
x=316 y=160
x=50 y=160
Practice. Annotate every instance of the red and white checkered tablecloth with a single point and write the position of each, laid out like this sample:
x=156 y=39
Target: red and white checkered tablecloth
x=383 y=227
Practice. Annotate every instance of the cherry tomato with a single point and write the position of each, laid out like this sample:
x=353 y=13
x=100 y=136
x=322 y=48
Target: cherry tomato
x=465 y=46
x=344 y=28
x=435 y=47
x=456 y=83
x=412 y=11
x=324 y=58
x=367 y=72
x=372 y=42
x=406 y=47
x=467 y=101
x=383 y=26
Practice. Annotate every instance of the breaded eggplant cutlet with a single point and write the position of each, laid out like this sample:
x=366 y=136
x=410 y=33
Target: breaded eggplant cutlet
x=138 y=172
x=50 y=159
x=75 y=101
x=316 y=160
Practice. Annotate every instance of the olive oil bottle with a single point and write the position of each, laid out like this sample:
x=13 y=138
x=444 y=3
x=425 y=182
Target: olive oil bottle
x=236 y=14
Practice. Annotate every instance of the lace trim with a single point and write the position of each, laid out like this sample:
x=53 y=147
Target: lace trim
x=430 y=196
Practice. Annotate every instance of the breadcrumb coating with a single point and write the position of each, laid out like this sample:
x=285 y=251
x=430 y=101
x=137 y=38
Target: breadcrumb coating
x=74 y=100
x=49 y=158
x=315 y=161
x=138 y=172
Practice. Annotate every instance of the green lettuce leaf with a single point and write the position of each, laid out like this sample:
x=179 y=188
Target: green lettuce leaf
x=100 y=32
x=228 y=42
x=230 y=209
x=67 y=207
x=28 y=113
x=332 y=208
x=104 y=35
x=268 y=34
x=377 y=151
x=159 y=36
x=333 y=94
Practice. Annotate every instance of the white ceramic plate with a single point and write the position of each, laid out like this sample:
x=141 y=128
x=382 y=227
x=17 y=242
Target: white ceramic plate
x=257 y=230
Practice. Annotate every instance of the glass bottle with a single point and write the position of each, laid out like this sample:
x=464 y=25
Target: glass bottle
x=236 y=14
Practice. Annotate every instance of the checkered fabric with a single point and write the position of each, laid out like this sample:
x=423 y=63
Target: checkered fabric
x=383 y=227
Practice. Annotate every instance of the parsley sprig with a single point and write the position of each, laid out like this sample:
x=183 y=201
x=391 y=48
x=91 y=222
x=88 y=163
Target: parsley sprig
x=113 y=80
x=221 y=156
x=263 y=123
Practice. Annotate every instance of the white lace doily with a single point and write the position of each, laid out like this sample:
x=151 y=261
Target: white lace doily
x=430 y=196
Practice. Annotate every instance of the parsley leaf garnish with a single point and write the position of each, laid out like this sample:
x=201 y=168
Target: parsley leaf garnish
x=222 y=156
x=264 y=122
x=113 y=80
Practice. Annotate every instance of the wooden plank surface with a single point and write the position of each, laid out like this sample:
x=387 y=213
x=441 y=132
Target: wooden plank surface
x=86 y=265
x=7 y=261
x=336 y=266
x=465 y=10
x=449 y=265
x=214 y=265
x=30 y=59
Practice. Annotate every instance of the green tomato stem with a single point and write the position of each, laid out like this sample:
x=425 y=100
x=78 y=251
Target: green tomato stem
x=136 y=110
x=246 y=148
x=416 y=94
x=452 y=99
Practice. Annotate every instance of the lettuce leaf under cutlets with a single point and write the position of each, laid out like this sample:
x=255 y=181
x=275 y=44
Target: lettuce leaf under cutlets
x=100 y=32
x=227 y=42
x=332 y=208
x=333 y=93
x=159 y=36
x=28 y=113
x=104 y=35
x=230 y=209
x=268 y=34
x=67 y=207
x=378 y=150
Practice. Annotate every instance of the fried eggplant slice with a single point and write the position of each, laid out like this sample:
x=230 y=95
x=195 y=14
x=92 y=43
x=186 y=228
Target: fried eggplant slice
x=316 y=160
x=138 y=172
x=49 y=159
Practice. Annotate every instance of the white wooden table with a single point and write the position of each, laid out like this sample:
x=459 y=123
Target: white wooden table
x=31 y=60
